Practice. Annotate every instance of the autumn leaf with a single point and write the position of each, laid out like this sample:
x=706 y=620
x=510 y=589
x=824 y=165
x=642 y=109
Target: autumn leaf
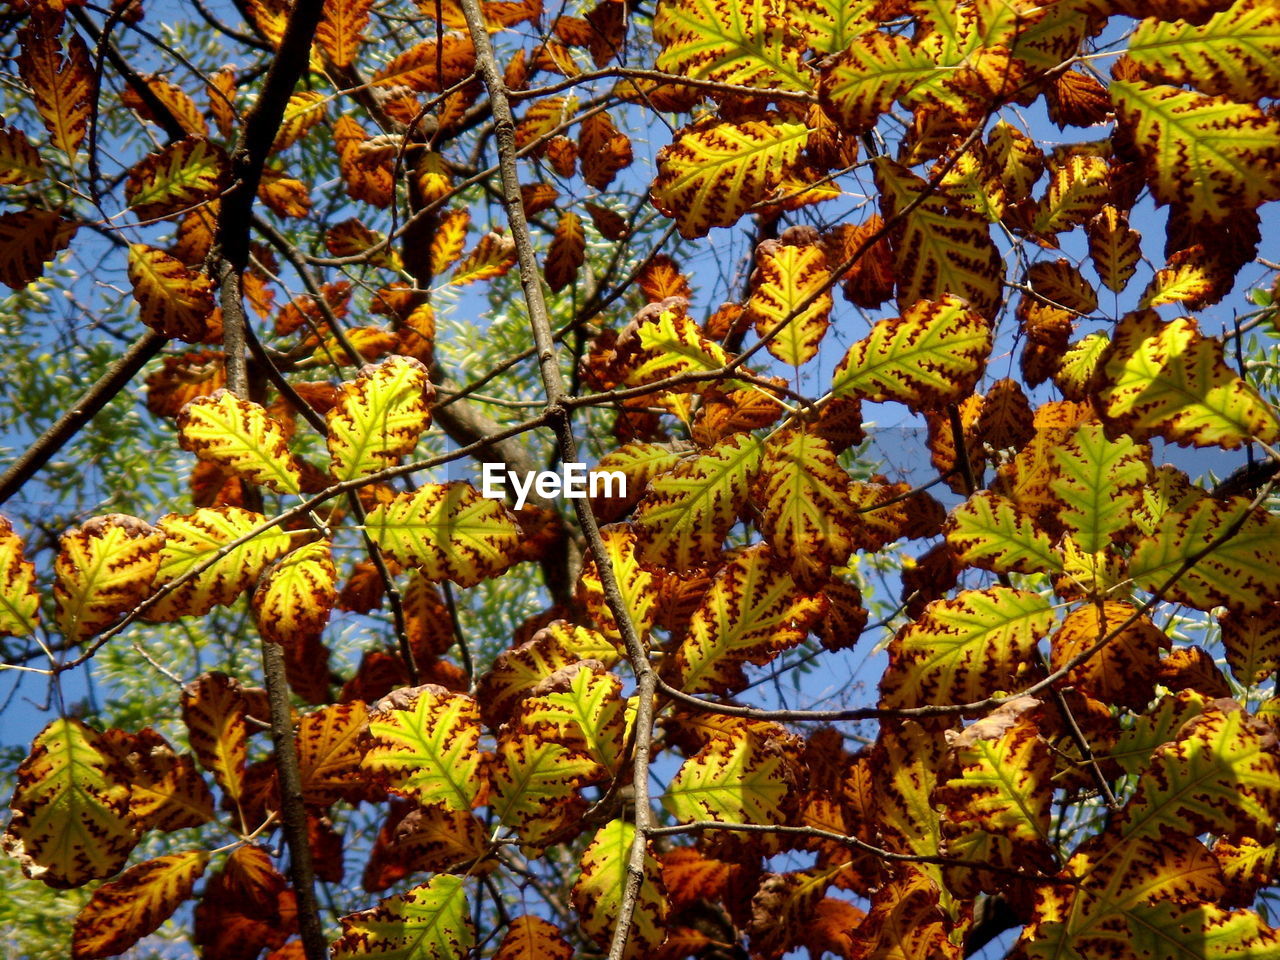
x=731 y=780
x=203 y=541
x=1207 y=153
x=423 y=743
x=71 y=821
x=180 y=176
x=215 y=710
x=296 y=594
x=427 y=922
x=171 y=299
x=930 y=356
x=965 y=648
x=752 y=611
x=19 y=597
x=597 y=894
x=1168 y=380
x=533 y=938
x=241 y=436
x=122 y=912
x=448 y=531
x=715 y=171
x=789 y=289
x=104 y=569
x=687 y=511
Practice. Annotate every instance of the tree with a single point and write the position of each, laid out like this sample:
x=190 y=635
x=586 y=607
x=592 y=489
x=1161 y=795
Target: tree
x=545 y=728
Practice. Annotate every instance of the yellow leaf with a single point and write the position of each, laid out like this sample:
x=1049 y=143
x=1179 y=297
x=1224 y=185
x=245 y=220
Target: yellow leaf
x=687 y=511
x=751 y=43
x=965 y=648
x=196 y=539
x=637 y=584
x=171 y=299
x=71 y=821
x=62 y=85
x=104 y=568
x=807 y=513
x=930 y=356
x=1208 y=154
x=1161 y=379
x=214 y=708
x=122 y=912
x=939 y=248
x=296 y=595
x=423 y=742
x=751 y=612
x=448 y=531
x=240 y=436
x=536 y=784
x=714 y=172
x=736 y=779
x=597 y=894
x=1242 y=573
x=20 y=162
x=990 y=532
x=379 y=417
x=427 y=922
x=19 y=598
x=788 y=276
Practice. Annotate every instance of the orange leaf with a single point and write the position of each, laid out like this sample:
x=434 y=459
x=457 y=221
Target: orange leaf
x=62 y=85
x=122 y=912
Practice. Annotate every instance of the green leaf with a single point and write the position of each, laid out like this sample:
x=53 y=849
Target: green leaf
x=428 y=922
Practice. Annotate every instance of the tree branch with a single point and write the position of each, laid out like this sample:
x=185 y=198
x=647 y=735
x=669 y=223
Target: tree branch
x=112 y=381
x=561 y=419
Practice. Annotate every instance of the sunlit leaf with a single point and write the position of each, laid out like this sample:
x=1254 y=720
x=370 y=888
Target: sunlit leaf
x=71 y=820
x=122 y=912
x=241 y=436
x=423 y=743
x=448 y=531
x=427 y=922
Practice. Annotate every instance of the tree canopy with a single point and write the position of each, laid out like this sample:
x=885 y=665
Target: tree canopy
x=294 y=282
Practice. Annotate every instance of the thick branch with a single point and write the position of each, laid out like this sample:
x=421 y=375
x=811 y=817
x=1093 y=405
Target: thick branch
x=258 y=133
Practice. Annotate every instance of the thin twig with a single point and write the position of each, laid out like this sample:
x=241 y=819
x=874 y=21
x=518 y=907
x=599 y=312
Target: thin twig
x=559 y=415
